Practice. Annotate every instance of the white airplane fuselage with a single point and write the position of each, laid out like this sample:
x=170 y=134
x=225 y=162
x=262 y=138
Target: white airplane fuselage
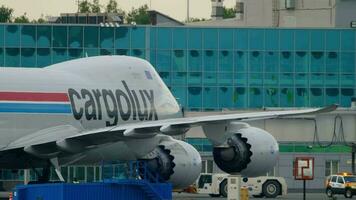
x=87 y=94
x=109 y=108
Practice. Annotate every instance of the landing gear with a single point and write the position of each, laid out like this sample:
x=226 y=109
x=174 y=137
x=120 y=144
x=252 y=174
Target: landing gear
x=44 y=177
x=54 y=162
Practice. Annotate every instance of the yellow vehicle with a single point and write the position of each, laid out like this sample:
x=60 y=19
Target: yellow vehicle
x=342 y=183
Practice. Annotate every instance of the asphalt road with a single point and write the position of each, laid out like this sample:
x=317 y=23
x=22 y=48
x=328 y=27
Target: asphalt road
x=290 y=196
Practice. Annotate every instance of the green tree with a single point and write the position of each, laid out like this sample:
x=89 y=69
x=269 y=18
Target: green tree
x=22 y=19
x=5 y=14
x=39 y=21
x=112 y=7
x=84 y=7
x=95 y=6
x=88 y=7
x=139 y=15
x=229 y=13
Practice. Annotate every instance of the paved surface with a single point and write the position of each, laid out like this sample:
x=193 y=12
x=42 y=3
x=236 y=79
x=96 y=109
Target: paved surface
x=290 y=196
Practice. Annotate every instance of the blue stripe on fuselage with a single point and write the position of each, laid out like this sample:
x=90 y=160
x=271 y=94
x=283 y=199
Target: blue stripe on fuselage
x=35 y=108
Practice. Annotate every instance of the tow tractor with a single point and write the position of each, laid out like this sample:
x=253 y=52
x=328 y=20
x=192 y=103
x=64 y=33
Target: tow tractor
x=263 y=186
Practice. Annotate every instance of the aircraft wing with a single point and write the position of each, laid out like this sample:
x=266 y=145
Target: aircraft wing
x=172 y=126
x=70 y=137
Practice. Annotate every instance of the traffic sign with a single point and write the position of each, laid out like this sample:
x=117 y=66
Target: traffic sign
x=304 y=168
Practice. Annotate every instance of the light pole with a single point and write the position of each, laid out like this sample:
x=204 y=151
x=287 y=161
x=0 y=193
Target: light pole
x=187 y=10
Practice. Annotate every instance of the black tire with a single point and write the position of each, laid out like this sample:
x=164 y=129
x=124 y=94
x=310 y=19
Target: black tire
x=329 y=192
x=348 y=193
x=223 y=188
x=214 y=195
x=271 y=189
x=258 y=196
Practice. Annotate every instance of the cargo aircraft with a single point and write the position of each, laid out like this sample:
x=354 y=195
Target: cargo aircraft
x=106 y=108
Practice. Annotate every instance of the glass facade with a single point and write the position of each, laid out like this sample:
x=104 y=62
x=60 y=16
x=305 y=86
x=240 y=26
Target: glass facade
x=203 y=145
x=207 y=68
x=70 y=173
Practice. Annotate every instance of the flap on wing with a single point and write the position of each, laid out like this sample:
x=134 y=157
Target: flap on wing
x=44 y=136
x=69 y=139
x=52 y=141
x=181 y=125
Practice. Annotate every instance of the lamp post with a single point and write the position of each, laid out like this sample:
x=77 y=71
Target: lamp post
x=187 y=10
x=353 y=158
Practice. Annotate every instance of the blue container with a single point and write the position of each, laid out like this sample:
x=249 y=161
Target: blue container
x=107 y=190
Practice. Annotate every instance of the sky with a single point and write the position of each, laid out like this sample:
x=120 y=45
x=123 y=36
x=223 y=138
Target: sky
x=177 y=9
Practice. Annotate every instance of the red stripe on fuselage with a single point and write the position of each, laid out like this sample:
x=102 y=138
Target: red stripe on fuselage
x=33 y=96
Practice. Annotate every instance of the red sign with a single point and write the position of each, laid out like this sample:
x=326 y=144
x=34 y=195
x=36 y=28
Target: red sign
x=303 y=168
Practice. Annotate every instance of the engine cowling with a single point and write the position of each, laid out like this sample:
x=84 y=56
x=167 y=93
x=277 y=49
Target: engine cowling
x=249 y=151
x=176 y=162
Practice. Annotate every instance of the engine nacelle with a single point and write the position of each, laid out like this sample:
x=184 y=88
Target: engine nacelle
x=176 y=162
x=249 y=151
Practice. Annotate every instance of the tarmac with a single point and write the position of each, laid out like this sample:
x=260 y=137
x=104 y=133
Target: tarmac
x=289 y=196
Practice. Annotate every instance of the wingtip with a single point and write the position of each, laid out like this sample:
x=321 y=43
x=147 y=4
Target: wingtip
x=330 y=108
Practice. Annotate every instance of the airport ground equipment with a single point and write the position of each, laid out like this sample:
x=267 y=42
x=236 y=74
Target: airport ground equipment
x=233 y=187
x=263 y=186
x=136 y=169
x=127 y=180
x=342 y=183
x=114 y=189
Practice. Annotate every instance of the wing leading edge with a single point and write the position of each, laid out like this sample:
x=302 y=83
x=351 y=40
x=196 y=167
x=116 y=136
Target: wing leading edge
x=175 y=126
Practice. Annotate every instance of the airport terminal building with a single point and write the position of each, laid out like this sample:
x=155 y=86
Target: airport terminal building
x=213 y=69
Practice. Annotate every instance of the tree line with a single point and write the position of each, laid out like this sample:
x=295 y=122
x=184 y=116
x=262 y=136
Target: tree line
x=138 y=15
x=6 y=16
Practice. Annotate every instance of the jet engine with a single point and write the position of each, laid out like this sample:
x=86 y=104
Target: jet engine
x=176 y=162
x=247 y=150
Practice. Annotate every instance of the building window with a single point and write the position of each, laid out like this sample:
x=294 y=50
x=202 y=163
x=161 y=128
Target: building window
x=331 y=167
x=207 y=166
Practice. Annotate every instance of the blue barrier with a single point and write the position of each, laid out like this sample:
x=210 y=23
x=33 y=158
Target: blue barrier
x=109 y=189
